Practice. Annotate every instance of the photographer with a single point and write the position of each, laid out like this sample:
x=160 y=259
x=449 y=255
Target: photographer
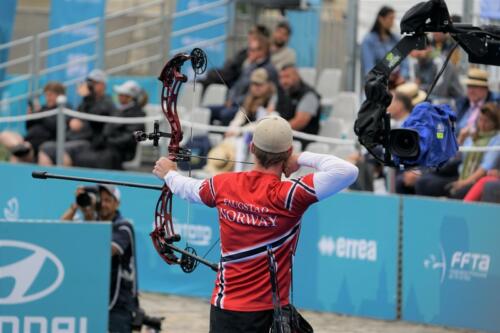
x=101 y=203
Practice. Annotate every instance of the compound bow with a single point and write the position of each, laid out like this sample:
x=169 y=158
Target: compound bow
x=163 y=235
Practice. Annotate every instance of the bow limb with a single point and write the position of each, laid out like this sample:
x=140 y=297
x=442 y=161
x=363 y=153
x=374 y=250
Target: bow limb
x=163 y=235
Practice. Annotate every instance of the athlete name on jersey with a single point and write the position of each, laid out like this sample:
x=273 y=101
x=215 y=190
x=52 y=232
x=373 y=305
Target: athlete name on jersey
x=247 y=214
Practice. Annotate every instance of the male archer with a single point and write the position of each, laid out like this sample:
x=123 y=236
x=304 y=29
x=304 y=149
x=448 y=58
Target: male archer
x=256 y=209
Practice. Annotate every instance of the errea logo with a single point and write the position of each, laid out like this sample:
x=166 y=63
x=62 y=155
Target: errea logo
x=348 y=248
x=28 y=285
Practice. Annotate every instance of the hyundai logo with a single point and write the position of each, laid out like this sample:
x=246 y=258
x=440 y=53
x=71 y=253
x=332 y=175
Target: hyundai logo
x=26 y=273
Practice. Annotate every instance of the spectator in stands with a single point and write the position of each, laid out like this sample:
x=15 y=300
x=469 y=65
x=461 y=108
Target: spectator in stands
x=406 y=96
x=468 y=107
x=95 y=102
x=486 y=189
x=38 y=131
x=474 y=165
x=379 y=41
x=80 y=132
x=14 y=149
x=448 y=85
x=257 y=102
x=298 y=103
x=281 y=54
x=232 y=68
x=425 y=69
x=116 y=143
x=44 y=129
x=400 y=107
x=258 y=57
x=123 y=300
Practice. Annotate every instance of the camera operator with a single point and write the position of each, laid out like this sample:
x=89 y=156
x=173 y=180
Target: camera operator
x=101 y=203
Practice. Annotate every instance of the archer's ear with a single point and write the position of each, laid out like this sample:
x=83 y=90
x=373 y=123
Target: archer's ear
x=252 y=147
x=290 y=151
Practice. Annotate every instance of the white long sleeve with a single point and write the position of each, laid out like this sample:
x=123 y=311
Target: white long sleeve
x=332 y=174
x=185 y=187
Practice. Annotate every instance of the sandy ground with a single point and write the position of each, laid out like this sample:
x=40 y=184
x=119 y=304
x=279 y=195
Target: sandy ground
x=184 y=314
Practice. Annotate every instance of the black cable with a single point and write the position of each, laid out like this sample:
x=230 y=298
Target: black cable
x=440 y=72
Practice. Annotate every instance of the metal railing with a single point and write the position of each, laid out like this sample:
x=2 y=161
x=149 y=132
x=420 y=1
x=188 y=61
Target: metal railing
x=132 y=41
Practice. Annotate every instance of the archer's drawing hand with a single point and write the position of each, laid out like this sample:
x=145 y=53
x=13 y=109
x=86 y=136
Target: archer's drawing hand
x=163 y=166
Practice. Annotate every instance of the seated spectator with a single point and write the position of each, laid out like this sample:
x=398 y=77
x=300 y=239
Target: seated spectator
x=256 y=103
x=81 y=132
x=14 y=149
x=486 y=189
x=44 y=129
x=406 y=96
x=474 y=165
x=96 y=102
x=448 y=85
x=38 y=131
x=116 y=144
x=258 y=57
x=281 y=54
x=298 y=103
x=478 y=94
x=232 y=68
x=425 y=69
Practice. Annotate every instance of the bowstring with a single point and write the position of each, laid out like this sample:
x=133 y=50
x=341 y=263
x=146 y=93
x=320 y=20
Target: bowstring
x=190 y=162
x=240 y=108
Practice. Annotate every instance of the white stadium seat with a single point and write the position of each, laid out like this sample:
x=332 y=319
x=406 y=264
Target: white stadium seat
x=214 y=95
x=308 y=75
x=328 y=85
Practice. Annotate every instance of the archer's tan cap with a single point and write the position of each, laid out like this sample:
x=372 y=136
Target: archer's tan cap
x=477 y=77
x=273 y=135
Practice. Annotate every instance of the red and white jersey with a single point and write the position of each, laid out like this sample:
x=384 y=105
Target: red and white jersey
x=256 y=210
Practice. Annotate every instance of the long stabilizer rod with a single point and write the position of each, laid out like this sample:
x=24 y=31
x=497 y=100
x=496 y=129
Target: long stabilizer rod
x=46 y=175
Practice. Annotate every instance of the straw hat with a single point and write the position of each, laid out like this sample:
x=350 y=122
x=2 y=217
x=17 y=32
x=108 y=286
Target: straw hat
x=410 y=90
x=273 y=134
x=477 y=77
x=225 y=150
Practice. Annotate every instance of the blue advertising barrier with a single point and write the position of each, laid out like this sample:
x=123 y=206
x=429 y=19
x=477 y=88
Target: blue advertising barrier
x=23 y=197
x=451 y=263
x=347 y=256
x=51 y=279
